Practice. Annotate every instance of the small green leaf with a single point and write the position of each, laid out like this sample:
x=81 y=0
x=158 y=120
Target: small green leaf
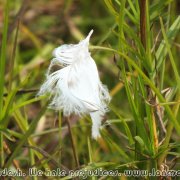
x=7 y=134
x=140 y=141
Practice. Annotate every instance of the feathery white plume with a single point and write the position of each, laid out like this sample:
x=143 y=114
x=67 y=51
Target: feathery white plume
x=75 y=87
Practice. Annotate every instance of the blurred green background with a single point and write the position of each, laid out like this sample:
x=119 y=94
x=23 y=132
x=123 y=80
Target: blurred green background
x=46 y=24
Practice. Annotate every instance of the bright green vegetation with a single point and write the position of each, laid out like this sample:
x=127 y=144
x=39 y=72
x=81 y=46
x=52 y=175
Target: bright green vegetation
x=136 y=48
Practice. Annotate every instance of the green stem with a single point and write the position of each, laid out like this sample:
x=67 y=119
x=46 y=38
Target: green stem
x=2 y=74
x=145 y=39
x=170 y=127
x=11 y=68
x=1 y=150
x=26 y=136
x=171 y=58
x=73 y=144
x=170 y=114
x=60 y=138
x=3 y=56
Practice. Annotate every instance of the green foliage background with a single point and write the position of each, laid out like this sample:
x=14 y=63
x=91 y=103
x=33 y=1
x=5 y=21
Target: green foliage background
x=136 y=71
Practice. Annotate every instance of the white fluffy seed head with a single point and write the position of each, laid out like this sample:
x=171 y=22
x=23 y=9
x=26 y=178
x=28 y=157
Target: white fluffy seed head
x=75 y=87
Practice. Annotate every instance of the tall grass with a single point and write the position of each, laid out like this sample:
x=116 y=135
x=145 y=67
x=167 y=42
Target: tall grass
x=137 y=55
x=144 y=92
x=2 y=74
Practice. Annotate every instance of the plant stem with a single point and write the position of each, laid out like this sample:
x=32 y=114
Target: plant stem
x=144 y=33
x=26 y=136
x=11 y=68
x=3 y=56
x=1 y=150
x=143 y=22
x=170 y=127
x=73 y=144
x=8 y=151
x=60 y=131
x=2 y=75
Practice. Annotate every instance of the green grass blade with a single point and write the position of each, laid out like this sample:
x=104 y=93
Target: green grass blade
x=114 y=146
x=110 y=7
x=133 y=8
x=149 y=82
x=25 y=137
x=170 y=55
x=157 y=7
x=24 y=103
x=3 y=55
x=171 y=34
x=9 y=102
x=2 y=75
x=126 y=127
